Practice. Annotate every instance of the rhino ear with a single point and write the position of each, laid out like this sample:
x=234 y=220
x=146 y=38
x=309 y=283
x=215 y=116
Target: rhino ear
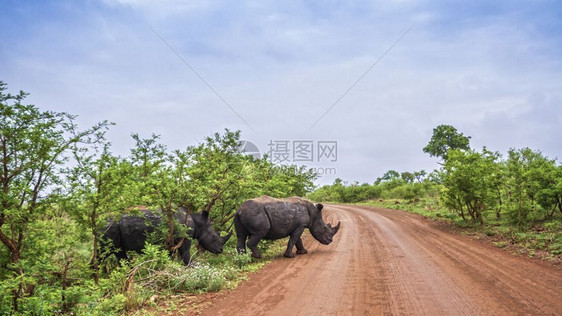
x=319 y=206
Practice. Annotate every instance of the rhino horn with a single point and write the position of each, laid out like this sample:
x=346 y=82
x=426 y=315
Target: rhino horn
x=337 y=228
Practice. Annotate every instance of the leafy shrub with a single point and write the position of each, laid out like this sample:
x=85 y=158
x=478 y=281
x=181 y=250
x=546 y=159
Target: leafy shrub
x=114 y=305
x=241 y=260
x=556 y=246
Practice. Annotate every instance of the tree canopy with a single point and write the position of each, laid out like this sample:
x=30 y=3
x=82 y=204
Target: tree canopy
x=59 y=185
x=445 y=138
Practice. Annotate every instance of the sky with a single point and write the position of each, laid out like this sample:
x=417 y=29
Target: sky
x=351 y=88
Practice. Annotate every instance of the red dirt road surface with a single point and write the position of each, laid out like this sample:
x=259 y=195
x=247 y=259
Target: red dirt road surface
x=387 y=262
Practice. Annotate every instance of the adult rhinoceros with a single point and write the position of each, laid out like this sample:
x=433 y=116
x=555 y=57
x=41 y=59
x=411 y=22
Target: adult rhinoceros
x=270 y=218
x=130 y=232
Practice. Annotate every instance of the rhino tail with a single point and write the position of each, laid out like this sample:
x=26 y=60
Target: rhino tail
x=319 y=206
x=238 y=227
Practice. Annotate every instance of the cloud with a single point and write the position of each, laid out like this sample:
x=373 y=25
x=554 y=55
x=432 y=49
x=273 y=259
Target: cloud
x=489 y=69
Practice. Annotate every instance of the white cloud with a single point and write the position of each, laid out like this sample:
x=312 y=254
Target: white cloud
x=492 y=75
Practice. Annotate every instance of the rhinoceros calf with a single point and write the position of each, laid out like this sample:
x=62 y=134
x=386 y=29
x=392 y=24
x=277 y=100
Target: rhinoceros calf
x=270 y=218
x=130 y=232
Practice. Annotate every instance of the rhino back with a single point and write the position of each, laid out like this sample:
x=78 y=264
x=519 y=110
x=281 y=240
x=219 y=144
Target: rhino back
x=111 y=233
x=285 y=217
x=273 y=218
x=133 y=230
x=252 y=217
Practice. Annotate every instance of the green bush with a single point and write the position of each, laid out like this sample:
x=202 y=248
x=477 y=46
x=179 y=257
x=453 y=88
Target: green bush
x=113 y=305
x=242 y=260
x=62 y=183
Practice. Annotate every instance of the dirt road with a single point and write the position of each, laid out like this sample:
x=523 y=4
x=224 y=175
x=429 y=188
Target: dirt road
x=395 y=263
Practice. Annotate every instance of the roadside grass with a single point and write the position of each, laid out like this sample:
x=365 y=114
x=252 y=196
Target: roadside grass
x=149 y=283
x=208 y=275
x=540 y=238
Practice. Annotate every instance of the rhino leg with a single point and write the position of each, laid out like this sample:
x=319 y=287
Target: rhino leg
x=300 y=247
x=241 y=245
x=241 y=235
x=253 y=245
x=184 y=251
x=121 y=255
x=295 y=237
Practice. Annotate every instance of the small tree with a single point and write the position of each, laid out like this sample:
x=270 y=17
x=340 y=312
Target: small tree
x=408 y=177
x=467 y=182
x=551 y=195
x=389 y=176
x=158 y=182
x=33 y=145
x=532 y=182
x=445 y=138
x=98 y=187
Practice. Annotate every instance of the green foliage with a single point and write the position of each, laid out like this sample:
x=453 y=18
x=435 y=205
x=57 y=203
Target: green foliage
x=408 y=191
x=468 y=180
x=391 y=185
x=53 y=262
x=33 y=149
x=534 y=183
x=60 y=185
x=212 y=176
x=445 y=138
x=389 y=176
x=525 y=187
x=242 y=259
x=515 y=195
x=95 y=190
x=216 y=173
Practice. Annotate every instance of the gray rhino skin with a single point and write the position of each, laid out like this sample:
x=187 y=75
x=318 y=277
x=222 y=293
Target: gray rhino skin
x=130 y=232
x=270 y=218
